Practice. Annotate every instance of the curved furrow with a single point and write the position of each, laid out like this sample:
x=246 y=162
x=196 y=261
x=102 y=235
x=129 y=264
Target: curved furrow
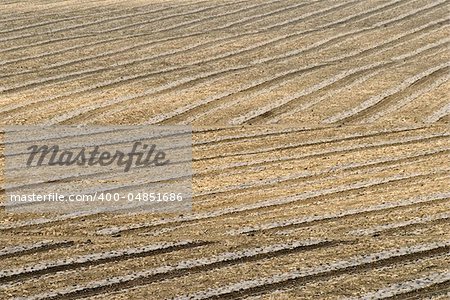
x=293 y=107
x=128 y=48
x=223 y=97
x=96 y=22
x=232 y=138
x=301 y=18
x=251 y=48
x=178 y=84
x=270 y=204
x=95 y=259
x=89 y=10
x=352 y=265
x=116 y=230
x=221 y=169
x=267 y=132
x=198 y=46
x=193 y=12
x=189 y=23
x=438 y=115
x=290 y=110
x=184 y=268
x=260 y=113
x=192 y=112
x=323 y=141
x=399 y=100
x=318 y=219
x=299 y=179
x=359 y=110
x=84 y=72
x=26 y=249
x=11 y=49
x=235 y=138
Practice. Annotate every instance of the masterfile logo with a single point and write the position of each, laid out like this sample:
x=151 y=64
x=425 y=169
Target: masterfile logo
x=68 y=169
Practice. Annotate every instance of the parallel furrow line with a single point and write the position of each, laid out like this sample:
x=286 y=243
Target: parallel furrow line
x=291 y=107
x=270 y=204
x=96 y=70
x=259 y=113
x=411 y=289
x=95 y=260
x=312 y=175
x=19 y=250
x=196 y=114
x=197 y=46
x=118 y=51
x=17 y=106
x=184 y=268
x=96 y=22
x=46 y=221
x=352 y=137
x=352 y=265
x=397 y=101
x=359 y=110
x=392 y=227
x=53 y=21
x=312 y=220
x=105 y=10
x=224 y=97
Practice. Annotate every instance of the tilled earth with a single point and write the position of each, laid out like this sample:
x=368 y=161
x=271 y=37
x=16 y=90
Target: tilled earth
x=321 y=147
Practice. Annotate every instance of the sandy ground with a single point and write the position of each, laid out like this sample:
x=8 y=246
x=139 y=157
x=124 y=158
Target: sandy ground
x=320 y=147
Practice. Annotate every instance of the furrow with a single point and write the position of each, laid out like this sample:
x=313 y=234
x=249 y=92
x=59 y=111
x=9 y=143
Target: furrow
x=83 y=73
x=96 y=22
x=353 y=137
x=269 y=204
x=412 y=289
x=128 y=48
x=310 y=220
x=442 y=217
x=94 y=260
x=19 y=250
x=253 y=87
x=193 y=112
x=201 y=44
x=181 y=82
x=349 y=115
x=353 y=265
x=184 y=268
x=259 y=113
x=307 y=176
x=399 y=103
x=46 y=221
x=439 y=114
x=291 y=108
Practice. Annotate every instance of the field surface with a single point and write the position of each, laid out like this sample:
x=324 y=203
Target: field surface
x=321 y=147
